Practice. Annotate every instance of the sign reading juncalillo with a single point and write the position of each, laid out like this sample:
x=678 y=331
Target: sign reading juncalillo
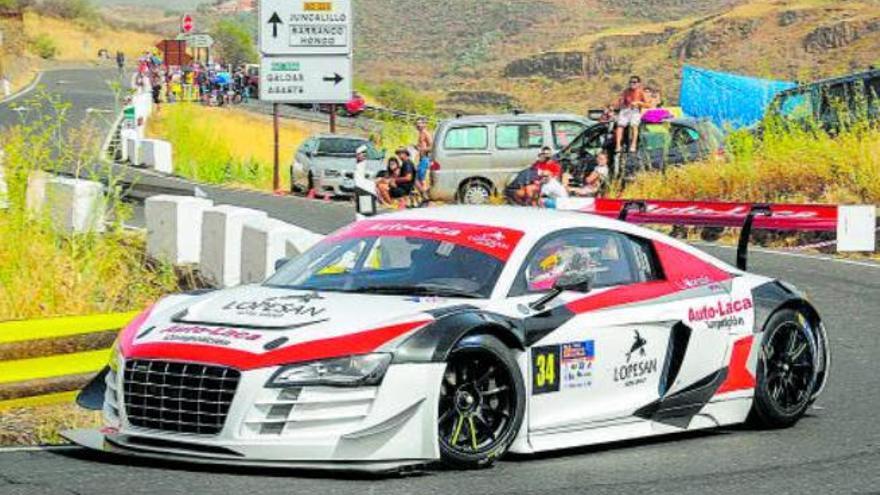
x=297 y=27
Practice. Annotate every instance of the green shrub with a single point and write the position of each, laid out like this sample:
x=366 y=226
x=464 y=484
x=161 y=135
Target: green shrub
x=44 y=47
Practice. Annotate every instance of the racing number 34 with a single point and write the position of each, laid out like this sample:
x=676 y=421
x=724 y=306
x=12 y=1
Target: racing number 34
x=545 y=369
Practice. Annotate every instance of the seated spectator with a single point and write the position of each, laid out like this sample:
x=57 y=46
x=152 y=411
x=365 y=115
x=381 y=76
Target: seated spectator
x=594 y=180
x=653 y=97
x=525 y=188
x=630 y=106
x=546 y=165
x=398 y=180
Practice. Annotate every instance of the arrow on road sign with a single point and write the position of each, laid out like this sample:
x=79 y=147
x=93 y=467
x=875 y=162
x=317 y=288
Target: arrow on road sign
x=335 y=78
x=275 y=21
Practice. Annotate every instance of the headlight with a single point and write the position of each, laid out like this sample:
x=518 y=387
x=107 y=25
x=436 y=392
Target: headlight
x=351 y=371
x=115 y=353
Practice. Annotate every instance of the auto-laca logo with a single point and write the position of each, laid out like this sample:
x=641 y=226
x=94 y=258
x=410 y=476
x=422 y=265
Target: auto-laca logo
x=638 y=366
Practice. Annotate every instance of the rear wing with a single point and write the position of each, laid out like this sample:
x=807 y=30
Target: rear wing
x=854 y=225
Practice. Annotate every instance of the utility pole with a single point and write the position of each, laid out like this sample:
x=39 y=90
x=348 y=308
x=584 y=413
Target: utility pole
x=276 y=173
x=333 y=118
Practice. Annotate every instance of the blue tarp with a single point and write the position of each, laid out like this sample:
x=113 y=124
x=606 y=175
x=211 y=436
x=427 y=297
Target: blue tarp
x=727 y=99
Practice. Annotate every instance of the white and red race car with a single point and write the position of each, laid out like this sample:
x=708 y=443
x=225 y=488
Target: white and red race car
x=458 y=334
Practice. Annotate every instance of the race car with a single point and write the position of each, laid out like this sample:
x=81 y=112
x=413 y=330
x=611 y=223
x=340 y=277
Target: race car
x=457 y=334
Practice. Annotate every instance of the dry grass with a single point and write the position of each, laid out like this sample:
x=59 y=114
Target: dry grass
x=41 y=425
x=78 y=43
x=226 y=145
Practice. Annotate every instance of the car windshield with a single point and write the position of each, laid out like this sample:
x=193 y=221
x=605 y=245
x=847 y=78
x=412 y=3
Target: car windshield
x=407 y=260
x=346 y=147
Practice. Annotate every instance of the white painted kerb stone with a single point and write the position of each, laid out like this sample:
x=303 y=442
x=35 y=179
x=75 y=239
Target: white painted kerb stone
x=156 y=154
x=264 y=242
x=134 y=151
x=174 y=228
x=76 y=205
x=221 y=242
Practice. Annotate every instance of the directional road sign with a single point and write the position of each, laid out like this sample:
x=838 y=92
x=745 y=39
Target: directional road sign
x=197 y=40
x=299 y=27
x=306 y=79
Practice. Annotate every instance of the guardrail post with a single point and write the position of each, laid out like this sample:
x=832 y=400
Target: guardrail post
x=174 y=228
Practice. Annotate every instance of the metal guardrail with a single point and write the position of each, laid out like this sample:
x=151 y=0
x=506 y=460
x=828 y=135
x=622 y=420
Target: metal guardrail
x=18 y=374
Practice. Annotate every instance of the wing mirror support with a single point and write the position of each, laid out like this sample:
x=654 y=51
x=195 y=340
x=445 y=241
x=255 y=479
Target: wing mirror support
x=578 y=281
x=281 y=262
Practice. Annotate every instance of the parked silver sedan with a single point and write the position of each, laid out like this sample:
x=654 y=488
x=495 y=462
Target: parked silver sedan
x=326 y=162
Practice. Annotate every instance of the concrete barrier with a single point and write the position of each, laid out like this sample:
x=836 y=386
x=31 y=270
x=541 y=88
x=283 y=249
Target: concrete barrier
x=221 y=250
x=301 y=242
x=134 y=151
x=174 y=228
x=76 y=205
x=4 y=191
x=125 y=135
x=156 y=154
x=36 y=190
x=263 y=242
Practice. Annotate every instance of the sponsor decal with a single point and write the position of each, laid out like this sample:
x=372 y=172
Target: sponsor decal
x=415 y=228
x=425 y=299
x=545 y=369
x=691 y=283
x=577 y=364
x=719 y=309
x=729 y=322
x=276 y=307
x=638 y=367
x=491 y=240
x=196 y=334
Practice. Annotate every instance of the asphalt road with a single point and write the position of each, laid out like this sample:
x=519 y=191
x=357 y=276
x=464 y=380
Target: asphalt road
x=834 y=449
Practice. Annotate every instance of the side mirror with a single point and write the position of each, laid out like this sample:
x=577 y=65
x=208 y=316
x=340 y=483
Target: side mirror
x=280 y=263
x=311 y=153
x=577 y=281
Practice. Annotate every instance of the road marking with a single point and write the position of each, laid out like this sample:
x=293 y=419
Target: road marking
x=867 y=264
x=38 y=448
x=27 y=89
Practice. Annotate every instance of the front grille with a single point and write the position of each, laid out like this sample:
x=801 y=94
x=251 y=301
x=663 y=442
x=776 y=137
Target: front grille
x=178 y=397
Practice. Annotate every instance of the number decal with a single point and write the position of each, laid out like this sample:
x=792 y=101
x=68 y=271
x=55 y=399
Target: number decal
x=545 y=369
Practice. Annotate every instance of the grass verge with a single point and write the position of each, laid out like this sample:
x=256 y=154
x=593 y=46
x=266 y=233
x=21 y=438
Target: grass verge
x=41 y=425
x=226 y=145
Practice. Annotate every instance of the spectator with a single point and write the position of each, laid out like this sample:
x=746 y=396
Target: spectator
x=630 y=106
x=594 y=180
x=120 y=62
x=525 y=188
x=653 y=96
x=547 y=166
x=156 y=86
x=398 y=181
x=425 y=146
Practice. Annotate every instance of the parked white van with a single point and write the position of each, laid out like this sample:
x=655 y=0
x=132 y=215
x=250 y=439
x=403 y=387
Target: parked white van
x=478 y=154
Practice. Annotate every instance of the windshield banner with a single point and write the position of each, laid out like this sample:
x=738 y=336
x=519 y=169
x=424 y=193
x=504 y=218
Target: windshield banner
x=495 y=241
x=717 y=214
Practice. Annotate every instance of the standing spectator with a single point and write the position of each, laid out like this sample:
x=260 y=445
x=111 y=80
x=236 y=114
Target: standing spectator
x=120 y=62
x=630 y=106
x=425 y=146
x=156 y=86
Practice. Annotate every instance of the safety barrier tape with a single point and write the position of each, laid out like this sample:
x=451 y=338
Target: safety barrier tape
x=53 y=366
x=49 y=328
x=40 y=400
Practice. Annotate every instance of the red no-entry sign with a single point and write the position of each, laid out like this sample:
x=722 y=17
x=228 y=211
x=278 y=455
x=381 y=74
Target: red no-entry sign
x=187 y=24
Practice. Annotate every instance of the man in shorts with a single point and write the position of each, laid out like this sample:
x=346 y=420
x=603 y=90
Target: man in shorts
x=425 y=145
x=630 y=106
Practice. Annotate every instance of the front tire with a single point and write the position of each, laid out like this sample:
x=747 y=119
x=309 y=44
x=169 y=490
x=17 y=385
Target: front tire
x=482 y=403
x=786 y=372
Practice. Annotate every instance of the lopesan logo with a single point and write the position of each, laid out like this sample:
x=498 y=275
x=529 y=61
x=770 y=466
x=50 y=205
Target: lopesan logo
x=278 y=306
x=636 y=372
x=720 y=309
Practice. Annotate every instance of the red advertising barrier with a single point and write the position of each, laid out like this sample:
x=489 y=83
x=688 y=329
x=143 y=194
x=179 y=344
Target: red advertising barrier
x=822 y=218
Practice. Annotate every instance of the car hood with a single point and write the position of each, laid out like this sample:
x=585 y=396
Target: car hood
x=262 y=322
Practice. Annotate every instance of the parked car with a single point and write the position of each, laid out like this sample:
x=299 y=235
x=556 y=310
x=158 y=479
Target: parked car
x=821 y=102
x=476 y=155
x=325 y=163
x=670 y=143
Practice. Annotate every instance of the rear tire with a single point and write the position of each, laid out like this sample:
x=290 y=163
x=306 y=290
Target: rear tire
x=474 y=192
x=482 y=403
x=786 y=372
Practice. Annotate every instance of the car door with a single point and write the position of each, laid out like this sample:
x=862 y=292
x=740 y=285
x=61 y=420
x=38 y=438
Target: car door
x=600 y=357
x=517 y=145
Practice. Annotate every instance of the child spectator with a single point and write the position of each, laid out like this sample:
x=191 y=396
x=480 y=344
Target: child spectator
x=594 y=180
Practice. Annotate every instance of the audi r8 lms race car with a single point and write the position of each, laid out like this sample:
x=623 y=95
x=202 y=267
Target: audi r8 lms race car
x=457 y=334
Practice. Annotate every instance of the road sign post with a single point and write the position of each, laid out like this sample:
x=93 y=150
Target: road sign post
x=306 y=49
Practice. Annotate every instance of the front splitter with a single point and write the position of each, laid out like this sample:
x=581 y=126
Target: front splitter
x=96 y=440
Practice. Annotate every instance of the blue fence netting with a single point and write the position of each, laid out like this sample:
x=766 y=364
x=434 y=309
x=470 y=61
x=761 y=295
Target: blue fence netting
x=727 y=99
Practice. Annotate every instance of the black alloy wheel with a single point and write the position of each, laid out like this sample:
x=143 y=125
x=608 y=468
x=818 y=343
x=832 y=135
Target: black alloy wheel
x=786 y=370
x=481 y=404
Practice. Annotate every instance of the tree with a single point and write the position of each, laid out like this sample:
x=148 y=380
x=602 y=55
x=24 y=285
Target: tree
x=234 y=42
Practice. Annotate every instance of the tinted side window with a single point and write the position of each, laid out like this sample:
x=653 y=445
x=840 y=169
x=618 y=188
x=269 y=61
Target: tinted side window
x=519 y=136
x=467 y=138
x=612 y=258
x=565 y=132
